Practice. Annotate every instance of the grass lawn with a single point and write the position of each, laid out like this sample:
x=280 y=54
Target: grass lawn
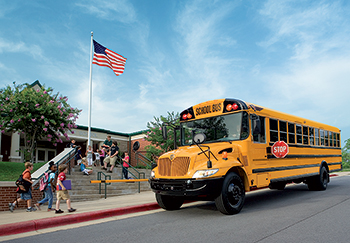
x=10 y=171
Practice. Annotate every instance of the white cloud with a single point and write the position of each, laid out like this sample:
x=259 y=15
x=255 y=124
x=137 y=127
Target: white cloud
x=120 y=10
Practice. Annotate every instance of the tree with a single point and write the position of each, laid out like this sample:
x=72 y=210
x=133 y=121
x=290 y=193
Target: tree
x=36 y=114
x=158 y=146
x=346 y=154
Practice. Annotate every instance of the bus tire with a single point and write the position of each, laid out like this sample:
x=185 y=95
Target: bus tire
x=319 y=182
x=169 y=202
x=277 y=185
x=232 y=196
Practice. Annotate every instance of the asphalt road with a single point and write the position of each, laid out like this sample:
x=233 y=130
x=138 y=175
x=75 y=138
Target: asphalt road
x=292 y=215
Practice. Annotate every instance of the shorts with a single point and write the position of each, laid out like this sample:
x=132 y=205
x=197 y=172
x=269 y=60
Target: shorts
x=26 y=195
x=110 y=160
x=63 y=195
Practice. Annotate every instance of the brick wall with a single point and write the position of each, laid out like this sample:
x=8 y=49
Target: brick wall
x=8 y=194
x=143 y=143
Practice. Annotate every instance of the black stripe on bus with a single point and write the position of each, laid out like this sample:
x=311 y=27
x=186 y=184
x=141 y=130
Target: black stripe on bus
x=284 y=168
x=294 y=156
x=291 y=167
x=290 y=178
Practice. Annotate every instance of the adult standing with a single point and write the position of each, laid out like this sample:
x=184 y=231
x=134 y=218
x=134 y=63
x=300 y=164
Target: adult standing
x=107 y=143
x=72 y=144
x=112 y=158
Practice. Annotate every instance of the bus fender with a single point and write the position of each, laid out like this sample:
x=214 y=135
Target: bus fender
x=241 y=171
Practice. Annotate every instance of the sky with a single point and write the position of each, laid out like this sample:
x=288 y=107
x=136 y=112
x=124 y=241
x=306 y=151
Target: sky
x=291 y=56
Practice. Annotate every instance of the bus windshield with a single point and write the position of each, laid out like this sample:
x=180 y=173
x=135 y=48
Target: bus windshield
x=220 y=128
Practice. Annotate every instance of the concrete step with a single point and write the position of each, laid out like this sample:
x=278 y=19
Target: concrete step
x=83 y=189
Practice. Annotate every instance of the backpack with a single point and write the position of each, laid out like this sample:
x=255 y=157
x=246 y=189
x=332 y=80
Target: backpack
x=22 y=185
x=44 y=181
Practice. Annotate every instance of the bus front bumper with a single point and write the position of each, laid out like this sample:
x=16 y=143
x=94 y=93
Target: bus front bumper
x=206 y=188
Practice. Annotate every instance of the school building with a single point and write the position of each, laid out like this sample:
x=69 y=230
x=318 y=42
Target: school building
x=11 y=143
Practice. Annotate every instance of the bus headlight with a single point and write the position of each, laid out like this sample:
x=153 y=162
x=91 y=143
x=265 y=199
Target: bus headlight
x=152 y=174
x=204 y=173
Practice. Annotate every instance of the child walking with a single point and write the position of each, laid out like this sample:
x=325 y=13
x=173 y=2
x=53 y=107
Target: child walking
x=50 y=188
x=25 y=196
x=63 y=192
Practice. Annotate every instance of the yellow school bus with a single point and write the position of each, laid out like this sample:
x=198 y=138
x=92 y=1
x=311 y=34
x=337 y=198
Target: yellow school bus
x=229 y=147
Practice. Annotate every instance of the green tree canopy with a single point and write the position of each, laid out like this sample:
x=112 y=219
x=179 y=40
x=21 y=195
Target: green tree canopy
x=346 y=154
x=37 y=114
x=158 y=146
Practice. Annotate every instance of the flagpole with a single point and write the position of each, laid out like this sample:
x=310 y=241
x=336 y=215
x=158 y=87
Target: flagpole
x=90 y=91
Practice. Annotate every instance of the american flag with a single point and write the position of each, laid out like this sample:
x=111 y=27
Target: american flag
x=107 y=58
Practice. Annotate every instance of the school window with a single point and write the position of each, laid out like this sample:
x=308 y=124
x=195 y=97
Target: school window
x=273 y=130
x=331 y=139
x=326 y=138
x=291 y=133
x=283 y=131
x=317 y=137
x=322 y=137
x=305 y=135
x=258 y=130
x=299 y=134
x=311 y=135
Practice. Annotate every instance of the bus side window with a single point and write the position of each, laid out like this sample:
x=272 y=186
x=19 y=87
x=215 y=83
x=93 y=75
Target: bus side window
x=291 y=133
x=273 y=130
x=326 y=138
x=283 y=131
x=317 y=137
x=299 y=134
x=322 y=137
x=258 y=129
x=311 y=135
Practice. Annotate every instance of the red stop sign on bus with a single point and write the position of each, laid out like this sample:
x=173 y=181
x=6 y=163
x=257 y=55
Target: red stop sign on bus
x=280 y=149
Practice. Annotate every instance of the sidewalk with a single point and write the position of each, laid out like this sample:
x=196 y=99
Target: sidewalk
x=21 y=221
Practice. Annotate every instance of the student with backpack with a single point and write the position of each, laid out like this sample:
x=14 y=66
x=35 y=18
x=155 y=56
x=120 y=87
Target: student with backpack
x=47 y=184
x=26 y=195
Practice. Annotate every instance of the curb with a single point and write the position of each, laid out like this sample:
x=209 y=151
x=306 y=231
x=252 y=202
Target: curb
x=38 y=224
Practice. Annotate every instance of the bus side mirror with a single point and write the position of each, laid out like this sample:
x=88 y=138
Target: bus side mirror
x=164 y=131
x=199 y=138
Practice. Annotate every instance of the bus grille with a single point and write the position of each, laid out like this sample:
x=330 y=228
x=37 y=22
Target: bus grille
x=177 y=167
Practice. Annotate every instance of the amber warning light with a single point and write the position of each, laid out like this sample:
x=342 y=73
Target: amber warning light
x=231 y=107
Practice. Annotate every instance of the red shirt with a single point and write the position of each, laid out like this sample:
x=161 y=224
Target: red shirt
x=61 y=177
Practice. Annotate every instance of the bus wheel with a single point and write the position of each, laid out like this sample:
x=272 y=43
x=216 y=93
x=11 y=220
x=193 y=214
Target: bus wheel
x=277 y=185
x=232 y=196
x=169 y=202
x=319 y=182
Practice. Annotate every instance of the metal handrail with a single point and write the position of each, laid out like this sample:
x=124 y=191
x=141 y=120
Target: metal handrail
x=69 y=155
x=146 y=161
x=99 y=177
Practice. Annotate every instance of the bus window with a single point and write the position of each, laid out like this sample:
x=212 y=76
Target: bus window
x=299 y=134
x=311 y=136
x=273 y=130
x=338 y=140
x=331 y=139
x=335 y=140
x=291 y=133
x=258 y=132
x=305 y=135
x=317 y=137
x=326 y=138
x=322 y=137
x=283 y=131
